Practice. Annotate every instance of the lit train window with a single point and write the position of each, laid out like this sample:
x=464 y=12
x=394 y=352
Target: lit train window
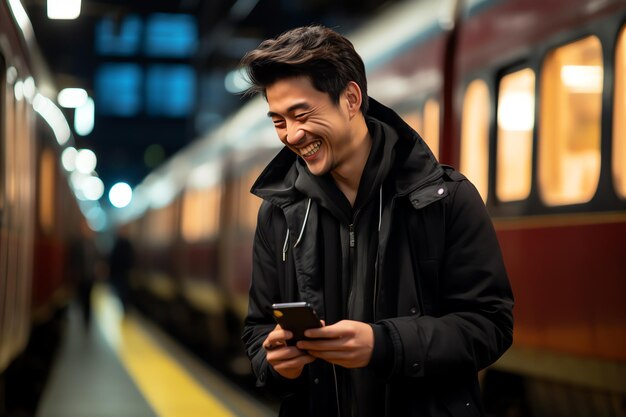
x=249 y=203
x=161 y=227
x=431 y=125
x=414 y=119
x=201 y=210
x=516 y=119
x=619 y=118
x=475 y=135
x=569 y=132
x=47 y=175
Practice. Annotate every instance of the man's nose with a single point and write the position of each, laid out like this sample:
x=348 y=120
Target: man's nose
x=295 y=135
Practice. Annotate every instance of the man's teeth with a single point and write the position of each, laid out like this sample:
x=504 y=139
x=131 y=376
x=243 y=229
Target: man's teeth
x=311 y=149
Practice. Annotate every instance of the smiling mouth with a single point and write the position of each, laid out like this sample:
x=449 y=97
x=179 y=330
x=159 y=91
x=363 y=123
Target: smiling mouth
x=310 y=149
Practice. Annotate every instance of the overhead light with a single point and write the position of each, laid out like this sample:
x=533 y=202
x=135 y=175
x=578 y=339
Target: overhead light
x=120 y=195
x=53 y=116
x=84 y=117
x=86 y=161
x=72 y=97
x=236 y=81
x=68 y=158
x=63 y=9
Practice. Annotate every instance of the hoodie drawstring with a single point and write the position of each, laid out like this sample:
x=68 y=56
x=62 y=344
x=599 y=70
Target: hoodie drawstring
x=306 y=217
x=286 y=244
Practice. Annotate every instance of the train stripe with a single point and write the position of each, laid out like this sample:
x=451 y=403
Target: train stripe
x=167 y=387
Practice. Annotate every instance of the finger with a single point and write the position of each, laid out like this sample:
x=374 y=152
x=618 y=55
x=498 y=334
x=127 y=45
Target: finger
x=284 y=353
x=326 y=332
x=277 y=337
x=321 y=344
x=292 y=363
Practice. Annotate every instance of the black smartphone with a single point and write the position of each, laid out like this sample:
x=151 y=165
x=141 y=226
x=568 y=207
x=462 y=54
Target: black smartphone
x=296 y=317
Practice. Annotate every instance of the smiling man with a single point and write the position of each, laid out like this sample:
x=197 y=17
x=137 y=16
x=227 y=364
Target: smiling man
x=395 y=252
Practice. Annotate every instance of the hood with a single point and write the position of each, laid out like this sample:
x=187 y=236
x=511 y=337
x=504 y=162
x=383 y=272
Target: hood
x=414 y=163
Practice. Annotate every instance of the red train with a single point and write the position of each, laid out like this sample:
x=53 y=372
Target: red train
x=528 y=99
x=39 y=215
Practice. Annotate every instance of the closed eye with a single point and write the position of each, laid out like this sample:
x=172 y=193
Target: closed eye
x=279 y=123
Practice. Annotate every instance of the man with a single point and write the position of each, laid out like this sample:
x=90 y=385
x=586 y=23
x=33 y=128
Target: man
x=395 y=252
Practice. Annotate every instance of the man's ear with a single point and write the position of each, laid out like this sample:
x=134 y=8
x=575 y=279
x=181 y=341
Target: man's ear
x=353 y=97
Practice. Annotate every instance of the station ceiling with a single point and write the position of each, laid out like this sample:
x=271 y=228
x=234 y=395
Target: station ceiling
x=156 y=68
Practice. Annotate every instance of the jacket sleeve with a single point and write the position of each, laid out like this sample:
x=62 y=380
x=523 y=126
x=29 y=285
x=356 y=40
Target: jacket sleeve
x=264 y=291
x=474 y=324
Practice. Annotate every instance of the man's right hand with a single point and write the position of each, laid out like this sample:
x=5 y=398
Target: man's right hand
x=288 y=361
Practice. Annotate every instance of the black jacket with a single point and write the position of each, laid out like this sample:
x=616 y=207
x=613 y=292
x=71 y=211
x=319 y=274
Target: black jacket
x=442 y=303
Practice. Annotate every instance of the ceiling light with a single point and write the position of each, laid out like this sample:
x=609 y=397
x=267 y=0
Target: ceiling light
x=84 y=117
x=63 y=9
x=72 y=97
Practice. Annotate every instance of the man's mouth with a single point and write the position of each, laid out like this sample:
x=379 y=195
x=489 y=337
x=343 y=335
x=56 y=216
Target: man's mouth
x=310 y=149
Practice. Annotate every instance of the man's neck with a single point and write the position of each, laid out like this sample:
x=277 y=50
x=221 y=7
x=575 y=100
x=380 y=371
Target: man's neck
x=349 y=177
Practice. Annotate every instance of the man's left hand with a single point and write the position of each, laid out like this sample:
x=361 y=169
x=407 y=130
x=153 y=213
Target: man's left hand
x=346 y=343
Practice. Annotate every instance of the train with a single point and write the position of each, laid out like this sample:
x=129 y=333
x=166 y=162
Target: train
x=527 y=98
x=40 y=217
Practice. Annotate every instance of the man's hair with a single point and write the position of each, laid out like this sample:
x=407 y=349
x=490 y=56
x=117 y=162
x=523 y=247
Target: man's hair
x=317 y=52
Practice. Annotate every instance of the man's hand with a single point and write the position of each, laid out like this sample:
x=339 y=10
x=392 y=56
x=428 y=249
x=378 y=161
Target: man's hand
x=288 y=361
x=346 y=343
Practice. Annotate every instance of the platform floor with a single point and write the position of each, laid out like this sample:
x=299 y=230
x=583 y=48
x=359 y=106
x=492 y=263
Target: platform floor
x=124 y=366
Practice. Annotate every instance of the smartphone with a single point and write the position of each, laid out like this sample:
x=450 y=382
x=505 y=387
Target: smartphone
x=296 y=317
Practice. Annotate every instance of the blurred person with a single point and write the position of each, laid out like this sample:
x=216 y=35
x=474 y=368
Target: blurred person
x=83 y=264
x=121 y=261
x=396 y=252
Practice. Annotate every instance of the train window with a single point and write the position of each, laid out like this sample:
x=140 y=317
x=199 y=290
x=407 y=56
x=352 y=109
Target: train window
x=201 y=214
x=569 y=133
x=414 y=119
x=431 y=125
x=249 y=202
x=619 y=118
x=47 y=175
x=516 y=119
x=161 y=225
x=475 y=135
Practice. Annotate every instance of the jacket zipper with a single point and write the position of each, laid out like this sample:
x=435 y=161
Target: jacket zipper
x=352 y=257
x=378 y=263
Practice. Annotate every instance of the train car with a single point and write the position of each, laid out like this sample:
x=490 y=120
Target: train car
x=527 y=99
x=539 y=128
x=39 y=214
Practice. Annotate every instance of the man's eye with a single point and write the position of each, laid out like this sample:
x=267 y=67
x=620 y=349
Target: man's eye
x=279 y=123
x=300 y=116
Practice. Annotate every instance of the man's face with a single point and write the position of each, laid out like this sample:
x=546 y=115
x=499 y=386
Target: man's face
x=310 y=124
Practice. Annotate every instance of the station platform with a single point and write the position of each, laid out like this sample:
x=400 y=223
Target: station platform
x=122 y=365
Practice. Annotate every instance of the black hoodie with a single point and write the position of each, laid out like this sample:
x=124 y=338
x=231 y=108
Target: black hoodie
x=417 y=258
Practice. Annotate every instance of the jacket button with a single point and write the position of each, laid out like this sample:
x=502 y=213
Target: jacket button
x=413 y=310
x=415 y=365
x=440 y=191
x=316 y=380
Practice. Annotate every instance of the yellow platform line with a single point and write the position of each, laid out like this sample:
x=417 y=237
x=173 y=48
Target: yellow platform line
x=165 y=384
